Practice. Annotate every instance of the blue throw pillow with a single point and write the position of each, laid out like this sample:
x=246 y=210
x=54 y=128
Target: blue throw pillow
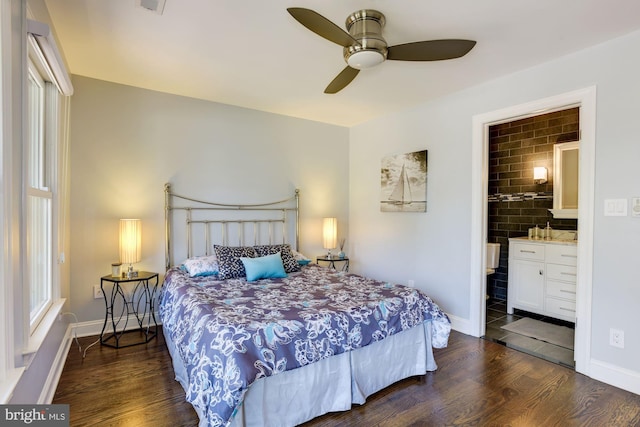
x=288 y=259
x=265 y=267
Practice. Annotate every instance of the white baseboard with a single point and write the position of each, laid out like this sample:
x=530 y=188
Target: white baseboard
x=94 y=327
x=87 y=329
x=625 y=379
x=461 y=325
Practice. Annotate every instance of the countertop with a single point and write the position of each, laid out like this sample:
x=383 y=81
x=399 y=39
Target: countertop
x=542 y=241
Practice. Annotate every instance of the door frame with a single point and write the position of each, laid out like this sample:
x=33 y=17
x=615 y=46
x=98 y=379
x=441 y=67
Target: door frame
x=585 y=99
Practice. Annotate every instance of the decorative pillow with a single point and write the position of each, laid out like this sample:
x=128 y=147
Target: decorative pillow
x=264 y=267
x=229 y=264
x=202 y=266
x=300 y=257
x=288 y=260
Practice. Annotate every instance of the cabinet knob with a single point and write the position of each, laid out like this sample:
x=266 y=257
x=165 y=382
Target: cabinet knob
x=541 y=272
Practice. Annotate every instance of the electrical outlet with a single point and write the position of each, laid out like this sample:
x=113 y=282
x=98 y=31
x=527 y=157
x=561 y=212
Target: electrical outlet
x=616 y=338
x=411 y=283
x=97 y=292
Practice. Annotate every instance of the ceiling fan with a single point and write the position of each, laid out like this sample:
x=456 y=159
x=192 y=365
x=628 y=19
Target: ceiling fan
x=364 y=46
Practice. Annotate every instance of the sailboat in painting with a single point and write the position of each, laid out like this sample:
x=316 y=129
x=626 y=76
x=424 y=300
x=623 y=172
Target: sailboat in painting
x=403 y=182
x=401 y=194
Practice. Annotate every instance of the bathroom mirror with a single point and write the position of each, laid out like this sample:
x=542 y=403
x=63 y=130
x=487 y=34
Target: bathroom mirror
x=565 y=179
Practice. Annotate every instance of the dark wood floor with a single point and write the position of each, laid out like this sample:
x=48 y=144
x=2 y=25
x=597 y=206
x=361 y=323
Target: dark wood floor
x=478 y=383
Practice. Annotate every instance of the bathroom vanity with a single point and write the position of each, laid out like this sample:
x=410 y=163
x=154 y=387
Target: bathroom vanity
x=542 y=277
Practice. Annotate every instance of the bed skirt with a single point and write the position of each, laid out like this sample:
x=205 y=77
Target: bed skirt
x=330 y=385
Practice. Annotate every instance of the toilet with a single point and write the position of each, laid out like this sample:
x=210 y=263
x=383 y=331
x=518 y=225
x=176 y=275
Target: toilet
x=493 y=257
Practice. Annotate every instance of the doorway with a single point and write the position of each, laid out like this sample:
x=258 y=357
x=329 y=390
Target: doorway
x=518 y=202
x=585 y=99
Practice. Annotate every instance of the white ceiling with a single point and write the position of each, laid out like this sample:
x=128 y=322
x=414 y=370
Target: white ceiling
x=253 y=54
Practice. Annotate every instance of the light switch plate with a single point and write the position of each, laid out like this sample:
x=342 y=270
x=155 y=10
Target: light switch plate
x=615 y=207
x=635 y=207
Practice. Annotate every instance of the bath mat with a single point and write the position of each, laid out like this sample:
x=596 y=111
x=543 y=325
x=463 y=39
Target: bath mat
x=553 y=334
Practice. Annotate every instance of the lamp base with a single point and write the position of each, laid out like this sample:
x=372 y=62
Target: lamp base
x=130 y=273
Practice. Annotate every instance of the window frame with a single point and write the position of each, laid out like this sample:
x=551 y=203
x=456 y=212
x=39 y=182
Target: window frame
x=12 y=49
x=38 y=197
x=40 y=51
x=19 y=343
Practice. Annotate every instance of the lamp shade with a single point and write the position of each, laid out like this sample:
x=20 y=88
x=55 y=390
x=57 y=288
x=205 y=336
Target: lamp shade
x=329 y=233
x=130 y=241
x=539 y=174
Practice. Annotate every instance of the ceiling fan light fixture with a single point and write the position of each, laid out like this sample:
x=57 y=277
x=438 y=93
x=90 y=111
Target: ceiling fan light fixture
x=364 y=47
x=366 y=27
x=365 y=59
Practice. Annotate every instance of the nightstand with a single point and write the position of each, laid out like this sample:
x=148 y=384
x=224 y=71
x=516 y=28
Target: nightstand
x=121 y=307
x=332 y=261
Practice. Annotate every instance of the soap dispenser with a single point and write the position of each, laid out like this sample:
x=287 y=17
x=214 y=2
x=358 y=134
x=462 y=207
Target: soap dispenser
x=547 y=232
x=536 y=232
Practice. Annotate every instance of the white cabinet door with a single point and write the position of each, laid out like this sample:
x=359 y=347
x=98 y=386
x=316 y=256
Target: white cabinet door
x=542 y=278
x=526 y=286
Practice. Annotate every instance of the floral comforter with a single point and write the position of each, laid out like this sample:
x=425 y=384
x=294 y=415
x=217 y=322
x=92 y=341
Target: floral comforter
x=230 y=333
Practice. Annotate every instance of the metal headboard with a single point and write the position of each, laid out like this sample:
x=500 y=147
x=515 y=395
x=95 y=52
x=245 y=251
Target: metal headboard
x=229 y=220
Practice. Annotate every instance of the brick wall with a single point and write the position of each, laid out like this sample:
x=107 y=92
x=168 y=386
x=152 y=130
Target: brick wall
x=515 y=148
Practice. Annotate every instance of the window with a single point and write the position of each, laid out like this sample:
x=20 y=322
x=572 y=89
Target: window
x=34 y=187
x=39 y=200
x=45 y=167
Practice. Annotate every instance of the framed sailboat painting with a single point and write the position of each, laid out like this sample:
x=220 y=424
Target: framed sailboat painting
x=403 y=182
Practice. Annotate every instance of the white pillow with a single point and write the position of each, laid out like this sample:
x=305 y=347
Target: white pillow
x=202 y=266
x=298 y=256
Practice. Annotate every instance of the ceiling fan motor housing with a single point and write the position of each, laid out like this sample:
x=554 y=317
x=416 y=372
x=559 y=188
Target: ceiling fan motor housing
x=366 y=27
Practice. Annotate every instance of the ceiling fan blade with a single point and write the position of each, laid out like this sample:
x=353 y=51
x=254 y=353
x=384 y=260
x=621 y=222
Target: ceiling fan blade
x=431 y=50
x=343 y=79
x=322 y=26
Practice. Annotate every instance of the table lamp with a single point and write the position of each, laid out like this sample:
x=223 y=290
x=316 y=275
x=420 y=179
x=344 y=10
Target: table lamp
x=130 y=244
x=329 y=234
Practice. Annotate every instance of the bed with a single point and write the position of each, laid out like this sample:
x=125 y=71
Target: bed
x=254 y=347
